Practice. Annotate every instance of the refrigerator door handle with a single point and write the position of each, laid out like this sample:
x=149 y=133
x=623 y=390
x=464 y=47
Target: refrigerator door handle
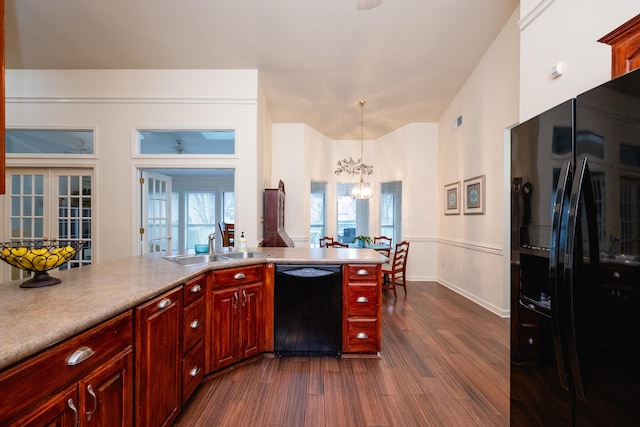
x=581 y=272
x=556 y=270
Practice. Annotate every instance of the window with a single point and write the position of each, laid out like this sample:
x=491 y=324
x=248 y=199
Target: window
x=317 y=212
x=391 y=210
x=228 y=207
x=54 y=204
x=49 y=141
x=353 y=214
x=182 y=142
x=201 y=218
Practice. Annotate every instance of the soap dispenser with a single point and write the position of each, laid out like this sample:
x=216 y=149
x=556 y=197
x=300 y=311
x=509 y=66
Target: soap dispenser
x=242 y=242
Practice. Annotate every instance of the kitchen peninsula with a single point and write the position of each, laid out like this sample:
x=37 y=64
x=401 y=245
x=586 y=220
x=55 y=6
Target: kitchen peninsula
x=105 y=319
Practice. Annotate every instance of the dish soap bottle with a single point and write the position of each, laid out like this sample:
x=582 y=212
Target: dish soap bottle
x=242 y=242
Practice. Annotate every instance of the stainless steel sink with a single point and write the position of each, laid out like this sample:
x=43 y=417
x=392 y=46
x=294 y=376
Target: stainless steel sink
x=195 y=259
x=244 y=255
x=216 y=257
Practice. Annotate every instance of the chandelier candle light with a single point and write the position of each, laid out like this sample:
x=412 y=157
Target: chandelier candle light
x=353 y=167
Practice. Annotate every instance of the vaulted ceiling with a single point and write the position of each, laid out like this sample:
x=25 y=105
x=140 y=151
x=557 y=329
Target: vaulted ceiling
x=317 y=58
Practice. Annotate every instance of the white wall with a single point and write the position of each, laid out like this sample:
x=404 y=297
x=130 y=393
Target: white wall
x=470 y=251
x=116 y=102
x=565 y=32
x=410 y=155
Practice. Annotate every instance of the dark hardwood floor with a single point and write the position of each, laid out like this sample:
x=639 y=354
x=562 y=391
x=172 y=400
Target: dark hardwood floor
x=444 y=362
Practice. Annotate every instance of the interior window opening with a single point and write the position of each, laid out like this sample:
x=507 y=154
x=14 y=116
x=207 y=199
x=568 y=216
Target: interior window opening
x=181 y=207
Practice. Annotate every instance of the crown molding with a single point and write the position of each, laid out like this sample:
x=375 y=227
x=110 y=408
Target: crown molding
x=534 y=13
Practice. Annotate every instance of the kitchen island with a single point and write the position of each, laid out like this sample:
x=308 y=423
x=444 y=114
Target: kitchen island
x=37 y=321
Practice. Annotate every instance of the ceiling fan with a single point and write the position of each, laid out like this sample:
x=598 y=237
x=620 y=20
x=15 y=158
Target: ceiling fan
x=368 y=4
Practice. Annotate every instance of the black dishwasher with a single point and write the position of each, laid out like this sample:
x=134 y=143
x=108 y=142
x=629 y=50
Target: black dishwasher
x=308 y=310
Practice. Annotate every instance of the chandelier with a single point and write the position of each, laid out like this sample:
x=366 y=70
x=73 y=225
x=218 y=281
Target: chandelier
x=357 y=167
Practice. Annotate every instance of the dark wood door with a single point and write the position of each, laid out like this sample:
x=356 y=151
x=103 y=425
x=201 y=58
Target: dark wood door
x=158 y=359
x=224 y=327
x=61 y=410
x=108 y=392
x=251 y=320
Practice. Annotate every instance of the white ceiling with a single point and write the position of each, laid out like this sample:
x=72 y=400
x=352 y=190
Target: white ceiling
x=317 y=58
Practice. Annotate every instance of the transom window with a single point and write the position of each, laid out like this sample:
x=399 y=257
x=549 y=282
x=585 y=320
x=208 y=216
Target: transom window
x=181 y=142
x=49 y=141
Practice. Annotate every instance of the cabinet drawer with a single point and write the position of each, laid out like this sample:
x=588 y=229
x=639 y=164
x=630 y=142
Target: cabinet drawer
x=363 y=273
x=192 y=370
x=362 y=336
x=237 y=276
x=55 y=367
x=194 y=322
x=362 y=300
x=194 y=289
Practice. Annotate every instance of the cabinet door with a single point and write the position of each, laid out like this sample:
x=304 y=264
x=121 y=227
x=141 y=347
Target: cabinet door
x=107 y=393
x=60 y=410
x=158 y=359
x=251 y=320
x=224 y=327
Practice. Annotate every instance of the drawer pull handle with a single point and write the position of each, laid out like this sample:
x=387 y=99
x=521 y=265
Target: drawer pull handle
x=362 y=272
x=194 y=324
x=362 y=336
x=79 y=356
x=239 y=276
x=95 y=402
x=164 y=303
x=362 y=299
x=196 y=288
x=531 y=341
x=194 y=371
x=75 y=411
x=616 y=275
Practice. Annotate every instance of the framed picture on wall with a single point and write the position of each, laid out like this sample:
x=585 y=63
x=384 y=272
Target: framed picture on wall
x=473 y=193
x=452 y=198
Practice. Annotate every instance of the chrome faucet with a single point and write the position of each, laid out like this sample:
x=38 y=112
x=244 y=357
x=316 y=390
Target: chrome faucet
x=212 y=238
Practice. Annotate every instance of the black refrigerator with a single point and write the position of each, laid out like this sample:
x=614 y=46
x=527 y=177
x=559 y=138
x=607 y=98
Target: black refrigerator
x=575 y=261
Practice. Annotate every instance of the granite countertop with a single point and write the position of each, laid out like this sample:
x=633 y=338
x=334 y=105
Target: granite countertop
x=35 y=319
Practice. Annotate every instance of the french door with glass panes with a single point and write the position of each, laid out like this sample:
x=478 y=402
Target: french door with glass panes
x=155 y=230
x=49 y=203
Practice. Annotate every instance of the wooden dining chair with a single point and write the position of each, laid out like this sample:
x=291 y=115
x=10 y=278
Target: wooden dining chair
x=336 y=244
x=324 y=241
x=230 y=231
x=226 y=234
x=394 y=273
x=383 y=240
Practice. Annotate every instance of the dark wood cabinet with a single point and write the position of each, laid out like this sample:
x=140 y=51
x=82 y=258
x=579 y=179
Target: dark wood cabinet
x=193 y=335
x=625 y=47
x=60 y=410
x=237 y=315
x=86 y=380
x=361 y=305
x=106 y=395
x=159 y=359
x=274 y=234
